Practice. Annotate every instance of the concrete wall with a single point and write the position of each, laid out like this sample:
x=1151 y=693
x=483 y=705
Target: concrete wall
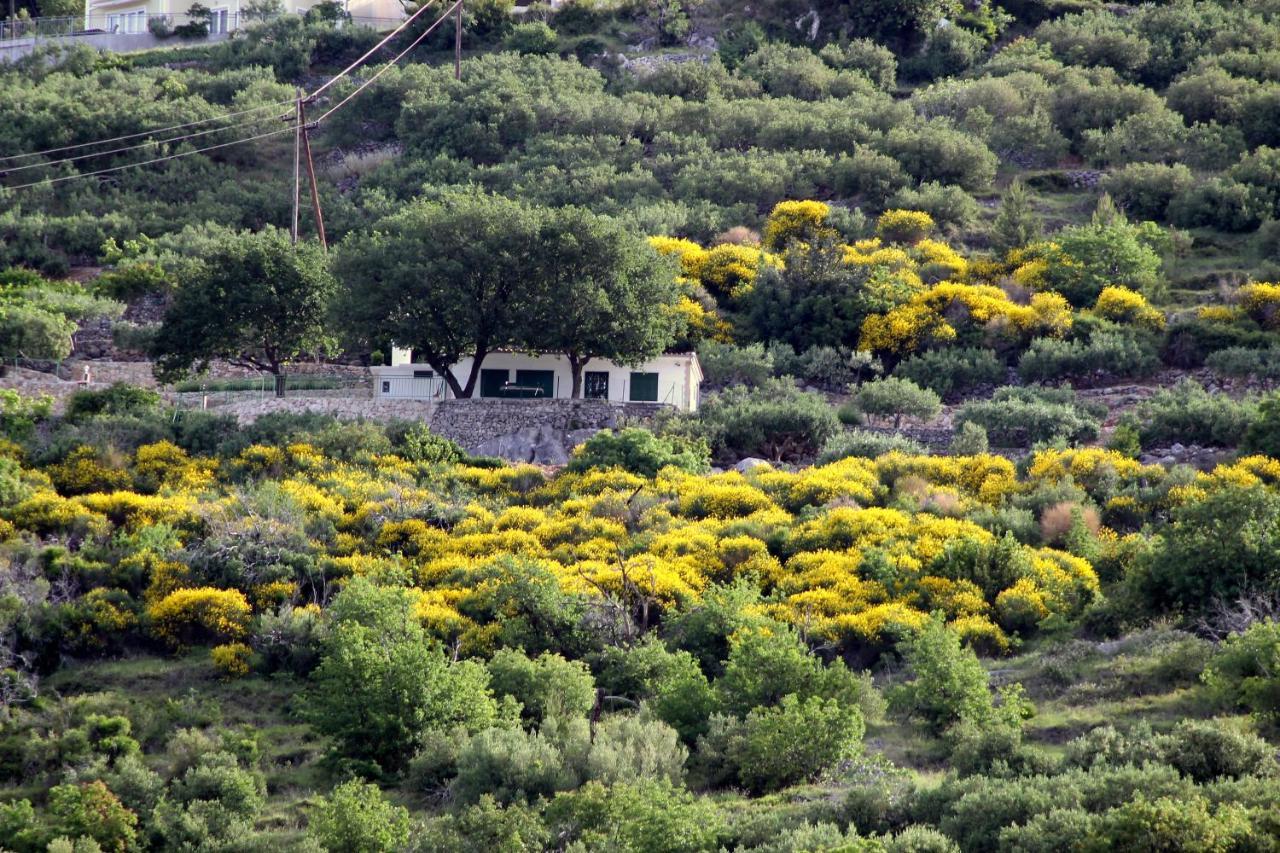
x=11 y=51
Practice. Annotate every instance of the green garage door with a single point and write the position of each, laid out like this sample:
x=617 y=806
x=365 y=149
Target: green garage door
x=544 y=380
x=491 y=382
x=644 y=387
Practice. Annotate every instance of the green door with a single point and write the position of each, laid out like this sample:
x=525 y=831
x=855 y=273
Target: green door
x=644 y=387
x=544 y=380
x=491 y=382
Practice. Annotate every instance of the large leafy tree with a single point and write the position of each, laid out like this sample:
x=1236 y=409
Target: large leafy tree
x=447 y=277
x=382 y=686
x=256 y=300
x=601 y=292
x=469 y=273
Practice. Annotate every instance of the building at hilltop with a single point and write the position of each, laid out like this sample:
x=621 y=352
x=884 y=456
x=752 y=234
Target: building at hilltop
x=672 y=379
x=129 y=17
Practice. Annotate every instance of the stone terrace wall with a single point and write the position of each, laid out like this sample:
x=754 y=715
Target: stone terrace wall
x=473 y=422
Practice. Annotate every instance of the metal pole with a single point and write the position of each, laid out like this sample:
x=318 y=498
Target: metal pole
x=457 y=45
x=311 y=174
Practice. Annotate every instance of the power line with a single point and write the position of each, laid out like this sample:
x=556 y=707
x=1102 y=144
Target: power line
x=293 y=128
x=224 y=116
x=398 y=57
x=289 y=129
x=148 y=132
x=371 y=51
x=148 y=143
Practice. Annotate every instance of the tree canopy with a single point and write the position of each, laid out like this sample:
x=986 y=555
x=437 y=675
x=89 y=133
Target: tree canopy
x=255 y=300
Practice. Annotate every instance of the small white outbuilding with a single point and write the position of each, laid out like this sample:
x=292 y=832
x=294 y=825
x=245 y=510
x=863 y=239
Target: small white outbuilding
x=673 y=379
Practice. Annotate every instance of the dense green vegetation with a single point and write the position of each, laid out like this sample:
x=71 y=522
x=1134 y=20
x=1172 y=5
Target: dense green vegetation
x=305 y=633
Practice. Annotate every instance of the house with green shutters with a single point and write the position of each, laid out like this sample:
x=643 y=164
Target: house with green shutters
x=672 y=379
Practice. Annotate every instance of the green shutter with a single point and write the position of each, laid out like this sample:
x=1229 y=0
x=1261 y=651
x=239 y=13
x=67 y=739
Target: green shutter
x=544 y=379
x=644 y=387
x=491 y=382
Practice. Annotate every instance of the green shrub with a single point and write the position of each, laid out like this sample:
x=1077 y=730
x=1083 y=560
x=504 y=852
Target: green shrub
x=511 y=765
x=419 y=444
x=948 y=682
x=1188 y=413
x=1187 y=343
x=775 y=421
x=1144 y=190
x=535 y=37
x=970 y=439
x=1207 y=750
x=894 y=396
x=356 y=817
x=1242 y=362
x=630 y=748
x=1216 y=548
x=641 y=452
x=1263 y=435
x=1114 y=352
x=790 y=742
x=868 y=445
x=1243 y=674
x=1019 y=417
x=730 y=364
x=546 y=687
x=119 y=399
x=951 y=373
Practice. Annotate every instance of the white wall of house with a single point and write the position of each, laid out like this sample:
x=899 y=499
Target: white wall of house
x=672 y=379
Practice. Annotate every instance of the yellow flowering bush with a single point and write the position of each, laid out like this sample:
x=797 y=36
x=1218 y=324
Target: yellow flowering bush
x=1122 y=305
x=796 y=220
x=231 y=659
x=936 y=315
x=1262 y=303
x=186 y=615
x=904 y=226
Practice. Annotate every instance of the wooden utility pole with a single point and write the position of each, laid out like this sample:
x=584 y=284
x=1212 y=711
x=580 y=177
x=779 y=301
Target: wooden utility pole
x=297 y=157
x=457 y=45
x=311 y=173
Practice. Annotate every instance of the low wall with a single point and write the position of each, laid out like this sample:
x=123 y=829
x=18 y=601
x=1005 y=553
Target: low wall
x=14 y=49
x=473 y=422
x=346 y=408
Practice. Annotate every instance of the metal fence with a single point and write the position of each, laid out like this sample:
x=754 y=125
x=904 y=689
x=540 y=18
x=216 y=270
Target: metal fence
x=219 y=392
x=139 y=23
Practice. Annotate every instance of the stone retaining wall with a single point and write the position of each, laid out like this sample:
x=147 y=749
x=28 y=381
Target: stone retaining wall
x=471 y=423
x=346 y=408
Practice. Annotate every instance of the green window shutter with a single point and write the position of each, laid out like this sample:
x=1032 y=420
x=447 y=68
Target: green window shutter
x=491 y=382
x=544 y=379
x=644 y=387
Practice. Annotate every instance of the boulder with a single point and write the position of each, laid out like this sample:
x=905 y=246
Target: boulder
x=748 y=464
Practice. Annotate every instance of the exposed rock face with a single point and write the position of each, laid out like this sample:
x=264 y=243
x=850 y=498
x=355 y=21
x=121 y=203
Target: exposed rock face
x=539 y=445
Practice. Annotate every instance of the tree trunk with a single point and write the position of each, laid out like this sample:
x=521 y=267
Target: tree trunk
x=280 y=378
x=477 y=361
x=576 y=363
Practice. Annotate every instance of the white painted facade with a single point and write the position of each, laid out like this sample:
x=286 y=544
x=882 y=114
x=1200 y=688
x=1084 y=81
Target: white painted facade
x=131 y=17
x=673 y=379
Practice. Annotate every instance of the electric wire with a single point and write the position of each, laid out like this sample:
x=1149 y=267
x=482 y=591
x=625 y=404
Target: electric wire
x=183 y=137
x=289 y=129
x=150 y=142
x=443 y=17
x=278 y=106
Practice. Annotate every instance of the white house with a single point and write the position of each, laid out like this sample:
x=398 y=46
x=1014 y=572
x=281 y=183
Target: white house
x=672 y=379
x=133 y=16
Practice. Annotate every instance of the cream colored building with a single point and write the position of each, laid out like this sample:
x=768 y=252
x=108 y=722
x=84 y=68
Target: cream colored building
x=673 y=379
x=132 y=16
